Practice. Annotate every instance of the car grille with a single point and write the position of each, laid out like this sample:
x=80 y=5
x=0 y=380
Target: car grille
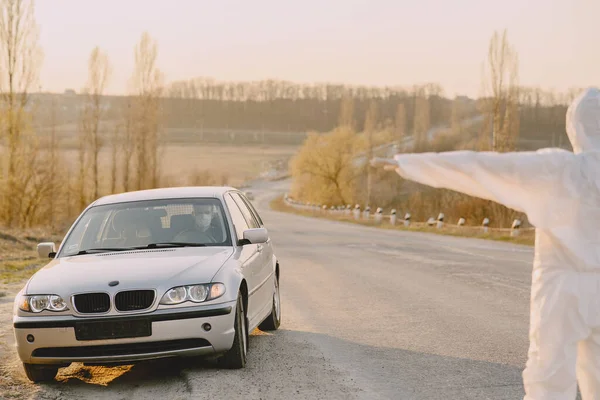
x=91 y=303
x=134 y=300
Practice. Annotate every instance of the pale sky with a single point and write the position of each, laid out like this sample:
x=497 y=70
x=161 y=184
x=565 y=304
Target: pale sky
x=372 y=42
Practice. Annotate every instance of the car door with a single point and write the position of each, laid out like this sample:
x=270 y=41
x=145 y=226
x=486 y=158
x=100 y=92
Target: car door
x=265 y=288
x=250 y=258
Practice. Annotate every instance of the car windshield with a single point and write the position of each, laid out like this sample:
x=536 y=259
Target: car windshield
x=121 y=226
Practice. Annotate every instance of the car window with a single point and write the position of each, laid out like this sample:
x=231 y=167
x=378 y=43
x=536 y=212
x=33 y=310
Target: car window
x=239 y=222
x=140 y=223
x=252 y=222
x=252 y=209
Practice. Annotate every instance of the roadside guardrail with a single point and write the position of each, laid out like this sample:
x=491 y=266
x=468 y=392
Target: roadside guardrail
x=379 y=217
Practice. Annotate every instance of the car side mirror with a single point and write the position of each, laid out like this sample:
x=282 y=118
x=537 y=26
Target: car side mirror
x=46 y=250
x=255 y=236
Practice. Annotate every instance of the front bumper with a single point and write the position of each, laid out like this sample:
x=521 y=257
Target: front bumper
x=176 y=332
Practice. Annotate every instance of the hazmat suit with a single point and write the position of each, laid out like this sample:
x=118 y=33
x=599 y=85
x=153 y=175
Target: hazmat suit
x=560 y=193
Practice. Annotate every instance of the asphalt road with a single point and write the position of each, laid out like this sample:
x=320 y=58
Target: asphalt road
x=367 y=314
x=406 y=315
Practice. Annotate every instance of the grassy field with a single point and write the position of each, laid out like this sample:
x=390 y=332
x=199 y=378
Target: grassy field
x=190 y=155
x=180 y=164
x=18 y=254
x=526 y=237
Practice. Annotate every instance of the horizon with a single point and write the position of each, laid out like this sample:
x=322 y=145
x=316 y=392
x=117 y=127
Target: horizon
x=442 y=95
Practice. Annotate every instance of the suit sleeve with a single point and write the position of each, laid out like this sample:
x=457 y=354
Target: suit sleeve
x=517 y=180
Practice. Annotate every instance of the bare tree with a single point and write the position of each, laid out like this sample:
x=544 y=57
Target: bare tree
x=370 y=126
x=457 y=116
x=128 y=145
x=147 y=83
x=20 y=60
x=83 y=140
x=114 y=151
x=502 y=93
x=53 y=166
x=422 y=122
x=346 y=118
x=400 y=124
x=99 y=71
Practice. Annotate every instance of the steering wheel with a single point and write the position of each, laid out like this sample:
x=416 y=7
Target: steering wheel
x=199 y=237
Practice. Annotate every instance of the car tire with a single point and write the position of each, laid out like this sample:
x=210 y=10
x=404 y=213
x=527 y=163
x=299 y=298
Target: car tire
x=40 y=373
x=235 y=358
x=274 y=319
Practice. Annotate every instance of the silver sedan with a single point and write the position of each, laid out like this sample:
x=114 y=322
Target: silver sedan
x=151 y=274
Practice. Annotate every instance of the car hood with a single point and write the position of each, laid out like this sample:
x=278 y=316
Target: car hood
x=140 y=269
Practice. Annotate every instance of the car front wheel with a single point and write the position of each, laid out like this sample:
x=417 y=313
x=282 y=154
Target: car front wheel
x=235 y=358
x=40 y=373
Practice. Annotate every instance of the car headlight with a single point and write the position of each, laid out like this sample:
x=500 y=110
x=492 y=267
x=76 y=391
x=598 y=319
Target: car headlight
x=39 y=303
x=193 y=293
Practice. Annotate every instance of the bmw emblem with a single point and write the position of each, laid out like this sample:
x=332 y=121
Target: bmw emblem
x=113 y=283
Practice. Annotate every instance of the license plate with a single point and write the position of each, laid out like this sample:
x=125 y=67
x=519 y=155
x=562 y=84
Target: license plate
x=99 y=330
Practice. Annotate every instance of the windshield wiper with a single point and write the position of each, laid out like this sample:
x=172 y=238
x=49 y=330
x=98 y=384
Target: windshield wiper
x=171 y=244
x=102 y=249
x=150 y=246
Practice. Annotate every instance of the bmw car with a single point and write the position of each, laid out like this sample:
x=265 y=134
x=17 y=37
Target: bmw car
x=174 y=272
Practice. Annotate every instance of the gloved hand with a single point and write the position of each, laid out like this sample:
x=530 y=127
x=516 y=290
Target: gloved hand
x=388 y=164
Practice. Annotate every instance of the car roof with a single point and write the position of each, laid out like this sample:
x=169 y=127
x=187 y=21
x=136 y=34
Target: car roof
x=166 y=193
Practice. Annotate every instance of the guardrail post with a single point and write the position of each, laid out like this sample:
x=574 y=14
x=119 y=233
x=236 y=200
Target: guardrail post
x=393 y=217
x=367 y=213
x=461 y=222
x=486 y=225
x=431 y=221
x=407 y=217
x=440 y=221
x=516 y=226
x=378 y=215
x=357 y=212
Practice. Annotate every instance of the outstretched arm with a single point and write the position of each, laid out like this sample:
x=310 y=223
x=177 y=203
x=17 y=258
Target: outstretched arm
x=513 y=179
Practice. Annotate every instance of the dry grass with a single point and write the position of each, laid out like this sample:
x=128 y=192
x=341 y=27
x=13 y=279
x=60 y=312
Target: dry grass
x=525 y=238
x=18 y=271
x=180 y=163
x=239 y=163
x=18 y=254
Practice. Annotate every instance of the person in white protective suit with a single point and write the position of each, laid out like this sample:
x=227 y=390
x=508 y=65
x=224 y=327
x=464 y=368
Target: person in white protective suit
x=559 y=191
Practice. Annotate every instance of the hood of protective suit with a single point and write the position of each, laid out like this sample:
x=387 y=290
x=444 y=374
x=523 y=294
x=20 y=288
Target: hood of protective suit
x=583 y=121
